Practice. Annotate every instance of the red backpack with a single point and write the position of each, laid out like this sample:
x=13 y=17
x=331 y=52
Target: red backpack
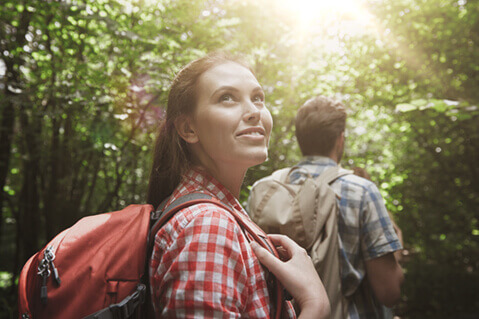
x=98 y=268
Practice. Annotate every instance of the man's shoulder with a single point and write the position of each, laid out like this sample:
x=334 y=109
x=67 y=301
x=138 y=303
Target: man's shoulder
x=356 y=181
x=351 y=185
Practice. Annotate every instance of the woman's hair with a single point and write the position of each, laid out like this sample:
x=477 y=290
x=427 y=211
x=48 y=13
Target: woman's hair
x=172 y=158
x=361 y=172
x=319 y=122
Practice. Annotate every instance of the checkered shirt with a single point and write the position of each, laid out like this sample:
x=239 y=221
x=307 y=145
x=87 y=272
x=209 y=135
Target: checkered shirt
x=365 y=232
x=202 y=265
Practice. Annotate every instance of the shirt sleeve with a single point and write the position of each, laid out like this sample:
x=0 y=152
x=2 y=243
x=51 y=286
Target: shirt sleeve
x=377 y=233
x=210 y=272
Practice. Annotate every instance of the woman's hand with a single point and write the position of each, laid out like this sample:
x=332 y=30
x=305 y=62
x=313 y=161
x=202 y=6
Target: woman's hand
x=297 y=274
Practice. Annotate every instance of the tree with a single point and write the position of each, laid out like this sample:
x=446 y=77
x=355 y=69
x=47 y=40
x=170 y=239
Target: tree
x=84 y=85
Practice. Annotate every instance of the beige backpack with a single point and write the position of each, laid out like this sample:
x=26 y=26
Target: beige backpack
x=307 y=213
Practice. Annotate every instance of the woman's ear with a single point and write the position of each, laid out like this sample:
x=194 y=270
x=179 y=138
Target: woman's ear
x=184 y=127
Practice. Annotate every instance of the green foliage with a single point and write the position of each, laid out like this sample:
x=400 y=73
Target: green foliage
x=5 y=279
x=439 y=206
x=84 y=85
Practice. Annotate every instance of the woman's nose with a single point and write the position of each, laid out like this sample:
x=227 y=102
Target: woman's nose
x=252 y=113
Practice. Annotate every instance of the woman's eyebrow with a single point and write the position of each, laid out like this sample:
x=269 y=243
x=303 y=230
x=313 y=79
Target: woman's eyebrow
x=258 y=89
x=234 y=89
x=224 y=88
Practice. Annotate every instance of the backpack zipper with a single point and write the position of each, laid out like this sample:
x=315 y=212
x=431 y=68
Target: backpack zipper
x=44 y=271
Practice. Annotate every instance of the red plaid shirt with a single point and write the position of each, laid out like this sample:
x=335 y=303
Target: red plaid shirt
x=202 y=264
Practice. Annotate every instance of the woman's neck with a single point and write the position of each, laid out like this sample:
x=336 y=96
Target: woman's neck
x=230 y=177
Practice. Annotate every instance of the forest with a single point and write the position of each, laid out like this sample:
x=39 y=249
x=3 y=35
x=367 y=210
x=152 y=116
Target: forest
x=84 y=84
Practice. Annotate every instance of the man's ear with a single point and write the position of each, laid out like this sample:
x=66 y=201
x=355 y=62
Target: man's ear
x=340 y=144
x=338 y=149
x=185 y=129
x=341 y=139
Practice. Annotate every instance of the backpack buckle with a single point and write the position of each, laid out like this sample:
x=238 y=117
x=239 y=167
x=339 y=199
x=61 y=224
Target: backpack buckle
x=125 y=308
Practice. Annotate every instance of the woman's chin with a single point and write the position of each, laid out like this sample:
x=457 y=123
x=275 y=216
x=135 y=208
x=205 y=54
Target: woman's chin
x=258 y=159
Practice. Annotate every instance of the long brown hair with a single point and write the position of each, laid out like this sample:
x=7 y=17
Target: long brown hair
x=172 y=158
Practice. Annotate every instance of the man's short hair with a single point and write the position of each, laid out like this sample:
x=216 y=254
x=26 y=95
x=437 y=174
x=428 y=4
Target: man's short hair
x=319 y=122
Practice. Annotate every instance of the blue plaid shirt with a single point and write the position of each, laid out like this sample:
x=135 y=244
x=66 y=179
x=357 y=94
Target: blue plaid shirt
x=365 y=232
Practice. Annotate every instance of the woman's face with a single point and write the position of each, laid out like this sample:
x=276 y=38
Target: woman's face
x=230 y=124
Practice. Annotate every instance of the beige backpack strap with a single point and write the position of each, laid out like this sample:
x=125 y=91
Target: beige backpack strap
x=333 y=173
x=329 y=269
x=283 y=174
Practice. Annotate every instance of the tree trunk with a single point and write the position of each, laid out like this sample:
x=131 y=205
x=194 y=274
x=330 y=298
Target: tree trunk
x=29 y=200
x=52 y=189
x=6 y=136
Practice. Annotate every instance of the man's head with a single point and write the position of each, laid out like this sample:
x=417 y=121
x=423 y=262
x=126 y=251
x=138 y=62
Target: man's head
x=320 y=125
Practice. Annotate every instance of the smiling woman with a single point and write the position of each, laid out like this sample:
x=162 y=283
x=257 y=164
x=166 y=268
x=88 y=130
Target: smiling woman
x=216 y=127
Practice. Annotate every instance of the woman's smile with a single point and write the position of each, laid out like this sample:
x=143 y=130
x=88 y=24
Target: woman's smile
x=254 y=133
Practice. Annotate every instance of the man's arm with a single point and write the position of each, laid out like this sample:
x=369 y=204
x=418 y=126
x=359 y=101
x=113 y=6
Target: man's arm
x=385 y=277
x=380 y=241
x=397 y=253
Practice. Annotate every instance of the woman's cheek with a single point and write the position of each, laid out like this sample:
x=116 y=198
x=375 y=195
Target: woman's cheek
x=268 y=123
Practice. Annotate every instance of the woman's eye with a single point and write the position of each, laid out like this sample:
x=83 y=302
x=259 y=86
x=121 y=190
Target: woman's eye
x=226 y=98
x=258 y=99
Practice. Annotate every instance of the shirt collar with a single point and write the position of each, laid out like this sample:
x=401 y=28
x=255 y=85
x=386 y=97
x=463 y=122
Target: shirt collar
x=317 y=159
x=200 y=181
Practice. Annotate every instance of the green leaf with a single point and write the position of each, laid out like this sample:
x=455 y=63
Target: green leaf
x=405 y=107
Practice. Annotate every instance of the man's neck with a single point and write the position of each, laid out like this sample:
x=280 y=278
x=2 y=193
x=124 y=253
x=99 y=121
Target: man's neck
x=334 y=157
x=321 y=156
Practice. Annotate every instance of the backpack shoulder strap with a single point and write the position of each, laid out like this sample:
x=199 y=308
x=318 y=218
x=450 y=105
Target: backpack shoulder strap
x=282 y=174
x=245 y=223
x=163 y=213
x=333 y=173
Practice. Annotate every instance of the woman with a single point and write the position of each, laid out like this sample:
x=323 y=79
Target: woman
x=216 y=127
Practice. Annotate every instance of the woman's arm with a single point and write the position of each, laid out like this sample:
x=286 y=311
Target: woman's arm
x=204 y=268
x=297 y=274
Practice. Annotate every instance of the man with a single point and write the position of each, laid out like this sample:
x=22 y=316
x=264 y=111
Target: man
x=370 y=274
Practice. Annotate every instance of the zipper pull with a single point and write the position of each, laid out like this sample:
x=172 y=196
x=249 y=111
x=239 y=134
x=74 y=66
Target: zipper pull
x=43 y=289
x=44 y=271
x=50 y=257
x=55 y=274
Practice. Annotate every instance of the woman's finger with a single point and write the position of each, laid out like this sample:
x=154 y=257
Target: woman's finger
x=287 y=244
x=282 y=240
x=266 y=258
x=283 y=253
x=297 y=274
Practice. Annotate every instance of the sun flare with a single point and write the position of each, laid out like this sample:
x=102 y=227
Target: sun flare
x=311 y=13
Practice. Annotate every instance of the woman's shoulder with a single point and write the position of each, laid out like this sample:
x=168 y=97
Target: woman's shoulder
x=198 y=218
x=205 y=213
